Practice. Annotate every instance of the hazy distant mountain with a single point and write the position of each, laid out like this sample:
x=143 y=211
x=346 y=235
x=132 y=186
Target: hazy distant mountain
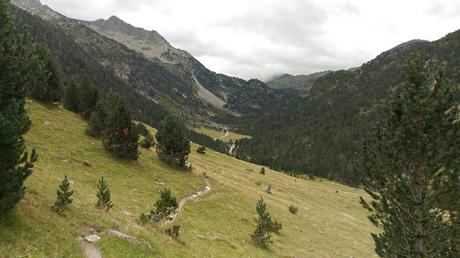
x=301 y=83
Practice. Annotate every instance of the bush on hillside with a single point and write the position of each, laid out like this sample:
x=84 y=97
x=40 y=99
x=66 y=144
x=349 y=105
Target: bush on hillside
x=293 y=209
x=201 y=149
x=172 y=145
x=173 y=231
x=262 y=171
x=163 y=207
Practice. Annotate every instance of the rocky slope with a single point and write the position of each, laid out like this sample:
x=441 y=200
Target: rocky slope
x=162 y=74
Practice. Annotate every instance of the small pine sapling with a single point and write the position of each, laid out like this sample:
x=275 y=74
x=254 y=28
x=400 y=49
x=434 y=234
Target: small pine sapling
x=104 y=200
x=64 y=196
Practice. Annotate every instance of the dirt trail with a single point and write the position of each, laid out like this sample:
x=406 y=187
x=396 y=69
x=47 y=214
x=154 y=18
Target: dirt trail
x=222 y=137
x=90 y=250
x=171 y=218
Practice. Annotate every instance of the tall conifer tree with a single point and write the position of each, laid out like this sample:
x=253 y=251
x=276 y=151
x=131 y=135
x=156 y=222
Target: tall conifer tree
x=15 y=164
x=411 y=168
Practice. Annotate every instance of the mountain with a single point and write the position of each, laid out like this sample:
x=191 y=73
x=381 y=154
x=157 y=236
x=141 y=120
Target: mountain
x=320 y=134
x=152 y=68
x=299 y=83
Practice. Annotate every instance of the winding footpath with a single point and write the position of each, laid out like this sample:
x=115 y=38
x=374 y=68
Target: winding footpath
x=222 y=137
x=171 y=218
x=91 y=251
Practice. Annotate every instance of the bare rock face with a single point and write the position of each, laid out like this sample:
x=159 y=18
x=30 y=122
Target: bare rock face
x=28 y=5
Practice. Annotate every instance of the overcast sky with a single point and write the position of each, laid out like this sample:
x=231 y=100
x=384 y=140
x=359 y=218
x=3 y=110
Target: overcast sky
x=263 y=38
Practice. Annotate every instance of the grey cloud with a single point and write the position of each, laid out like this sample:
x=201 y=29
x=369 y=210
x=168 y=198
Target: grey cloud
x=270 y=36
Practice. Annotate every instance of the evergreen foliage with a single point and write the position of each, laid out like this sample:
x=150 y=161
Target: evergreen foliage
x=163 y=207
x=47 y=85
x=120 y=135
x=97 y=120
x=88 y=97
x=265 y=226
x=15 y=73
x=201 y=149
x=64 y=196
x=71 y=101
x=261 y=235
x=104 y=200
x=293 y=209
x=410 y=167
x=144 y=219
x=172 y=145
x=262 y=171
x=173 y=231
x=166 y=204
x=142 y=129
x=148 y=140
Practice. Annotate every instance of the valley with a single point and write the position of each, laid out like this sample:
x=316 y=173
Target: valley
x=114 y=142
x=216 y=224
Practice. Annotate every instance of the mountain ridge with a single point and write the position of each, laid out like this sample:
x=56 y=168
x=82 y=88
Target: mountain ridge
x=168 y=76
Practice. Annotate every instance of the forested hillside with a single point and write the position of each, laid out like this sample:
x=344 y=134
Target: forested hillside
x=319 y=134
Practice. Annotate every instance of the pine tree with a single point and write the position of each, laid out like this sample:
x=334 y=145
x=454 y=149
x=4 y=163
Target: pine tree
x=410 y=168
x=147 y=142
x=104 y=200
x=71 y=101
x=172 y=145
x=47 y=84
x=166 y=204
x=15 y=163
x=97 y=120
x=64 y=196
x=262 y=234
x=88 y=97
x=120 y=135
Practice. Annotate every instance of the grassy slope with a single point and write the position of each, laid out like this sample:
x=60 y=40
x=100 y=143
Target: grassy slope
x=216 y=134
x=328 y=224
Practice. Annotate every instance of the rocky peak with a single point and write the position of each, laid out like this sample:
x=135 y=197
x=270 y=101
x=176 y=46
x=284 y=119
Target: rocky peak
x=28 y=5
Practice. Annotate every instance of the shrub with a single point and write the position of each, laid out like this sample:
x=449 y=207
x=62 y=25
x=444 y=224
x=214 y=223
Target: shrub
x=173 y=231
x=64 y=196
x=103 y=196
x=166 y=205
x=293 y=209
x=201 y=149
x=144 y=218
x=262 y=171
